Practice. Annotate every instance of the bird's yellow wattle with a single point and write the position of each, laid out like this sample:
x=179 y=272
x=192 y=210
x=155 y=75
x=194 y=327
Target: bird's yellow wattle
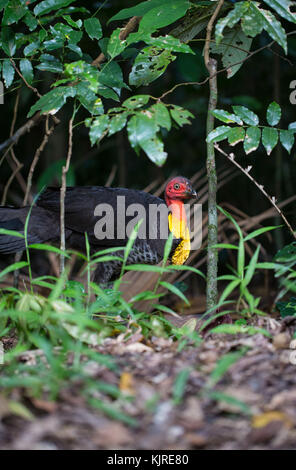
x=179 y=229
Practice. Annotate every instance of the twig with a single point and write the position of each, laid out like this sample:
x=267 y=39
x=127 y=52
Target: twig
x=48 y=132
x=63 y=193
x=130 y=26
x=224 y=69
x=24 y=80
x=21 y=131
x=209 y=34
x=246 y=171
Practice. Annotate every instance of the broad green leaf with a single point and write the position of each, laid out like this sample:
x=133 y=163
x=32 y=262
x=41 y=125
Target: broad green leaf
x=117 y=123
x=93 y=28
x=98 y=127
x=3 y=4
x=283 y=8
x=149 y=64
x=88 y=98
x=181 y=115
x=48 y=5
x=287 y=139
x=227 y=117
x=8 y=40
x=220 y=133
x=53 y=100
x=136 y=101
x=169 y=43
x=111 y=76
x=233 y=49
x=50 y=63
x=161 y=115
x=27 y=70
x=292 y=126
x=154 y=149
x=13 y=12
x=257 y=19
x=31 y=48
x=236 y=135
x=53 y=44
x=273 y=114
x=30 y=21
x=141 y=127
x=115 y=44
x=163 y=15
x=138 y=10
x=252 y=139
x=246 y=115
x=7 y=72
x=230 y=20
x=269 y=138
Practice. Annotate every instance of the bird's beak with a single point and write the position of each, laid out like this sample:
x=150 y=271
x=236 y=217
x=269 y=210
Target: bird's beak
x=191 y=193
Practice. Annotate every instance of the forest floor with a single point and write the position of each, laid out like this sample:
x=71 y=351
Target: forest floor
x=179 y=399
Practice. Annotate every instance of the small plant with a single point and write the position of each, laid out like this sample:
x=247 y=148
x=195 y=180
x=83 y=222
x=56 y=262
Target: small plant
x=242 y=276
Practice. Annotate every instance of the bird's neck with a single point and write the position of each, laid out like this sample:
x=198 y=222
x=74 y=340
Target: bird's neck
x=177 y=219
x=179 y=228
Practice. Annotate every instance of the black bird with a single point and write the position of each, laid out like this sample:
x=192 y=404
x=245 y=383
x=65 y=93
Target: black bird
x=99 y=212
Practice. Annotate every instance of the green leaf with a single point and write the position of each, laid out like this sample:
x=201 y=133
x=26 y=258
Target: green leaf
x=258 y=232
x=227 y=117
x=252 y=139
x=13 y=267
x=149 y=64
x=236 y=329
x=27 y=70
x=3 y=4
x=167 y=42
x=93 y=28
x=161 y=115
x=163 y=15
x=50 y=63
x=292 y=126
x=257 y=19
x=287 y=139
x=30 y=21
x=48 y=5
x=115 y=44
x=14 y=11
x=273 y=114
x=98 y=127
x=53 y=100
x=180 y=385
x=282 y=7
x=269 y=138
x=136 y=101
x=31 y=48
x=8 y=40
x=7 y=72
x=138 y=10
x=236 y=135
x=220 y=133
x=246 y=115
x=172 y=288
x=53 y=44
x=181 y=115
x=224 y=364
x=230 y=20
x=117 y=123
x=142 y=134
x=251 y=267
x=111 y=76
x=88 y=98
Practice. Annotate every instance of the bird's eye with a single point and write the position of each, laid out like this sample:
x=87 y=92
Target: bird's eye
x=176 y=186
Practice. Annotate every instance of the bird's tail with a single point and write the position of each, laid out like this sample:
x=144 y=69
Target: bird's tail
x=41 y=227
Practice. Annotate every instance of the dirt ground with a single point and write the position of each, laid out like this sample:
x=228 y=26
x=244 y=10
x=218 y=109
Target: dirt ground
x=260 y=415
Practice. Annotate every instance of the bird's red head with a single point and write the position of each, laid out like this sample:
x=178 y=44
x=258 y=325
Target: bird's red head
x=178 y=189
